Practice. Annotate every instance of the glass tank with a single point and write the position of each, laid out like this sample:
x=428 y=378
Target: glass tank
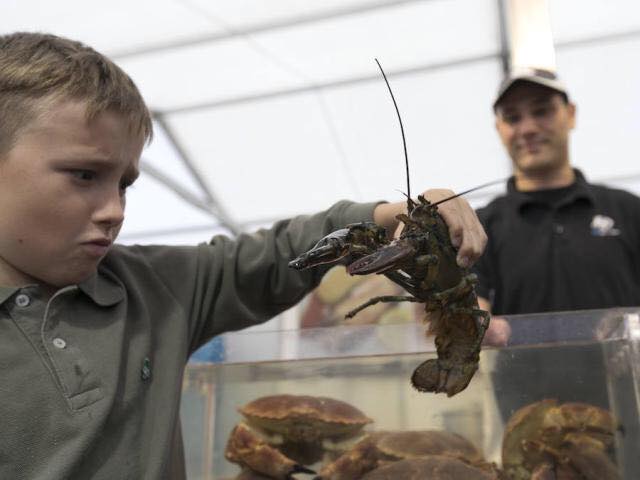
x=562 y=392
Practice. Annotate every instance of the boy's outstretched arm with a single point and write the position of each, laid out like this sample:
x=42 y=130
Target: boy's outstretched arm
x=467 y=234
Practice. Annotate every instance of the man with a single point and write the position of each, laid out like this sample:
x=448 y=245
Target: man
x=556 y=242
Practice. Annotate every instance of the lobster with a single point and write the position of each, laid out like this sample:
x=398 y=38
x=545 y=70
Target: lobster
x=422 y=260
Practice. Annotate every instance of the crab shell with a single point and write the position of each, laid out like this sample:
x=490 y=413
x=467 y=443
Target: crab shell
x=434 y=467
x=246 y=448
x=580 y=457
x=571 y=433
x=593 y=421
x=416 y=444
x=251 y=475
x=302 y=418
x=381 y=448
x=246 y=475
x=523 y=424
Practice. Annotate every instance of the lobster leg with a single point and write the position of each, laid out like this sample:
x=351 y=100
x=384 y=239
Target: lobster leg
x=383 y=298
x=459 y=291
x=483 y=325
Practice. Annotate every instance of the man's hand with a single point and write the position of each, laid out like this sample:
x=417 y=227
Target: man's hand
x=465 y=229
x=499 y=331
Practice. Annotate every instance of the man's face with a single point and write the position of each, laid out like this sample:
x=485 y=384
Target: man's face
x=62 y=195
x=534 y=124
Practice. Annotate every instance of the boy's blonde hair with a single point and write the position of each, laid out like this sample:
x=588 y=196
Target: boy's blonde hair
x=38 y=68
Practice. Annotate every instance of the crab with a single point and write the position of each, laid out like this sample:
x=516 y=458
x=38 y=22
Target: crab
x=250 y=475
x=548 y=441
x=434 y=467
x=381 y=448
x=282 y=434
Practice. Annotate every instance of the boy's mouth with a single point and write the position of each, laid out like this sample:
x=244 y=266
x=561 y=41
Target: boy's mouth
x=101 y=241
x=98 y=247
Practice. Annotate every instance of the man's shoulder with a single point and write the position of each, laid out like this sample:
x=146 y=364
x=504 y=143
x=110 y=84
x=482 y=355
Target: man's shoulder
x=617 y=195
x=495 y=206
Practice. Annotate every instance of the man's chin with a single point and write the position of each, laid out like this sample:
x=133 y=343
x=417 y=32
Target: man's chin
x=535 y=166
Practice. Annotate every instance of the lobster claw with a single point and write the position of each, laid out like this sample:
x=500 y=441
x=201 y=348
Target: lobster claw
x=386 y=258
x=356 y=239
x=329 y=249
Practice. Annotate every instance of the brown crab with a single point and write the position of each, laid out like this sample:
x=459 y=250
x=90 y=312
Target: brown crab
x=250 y=475
x=433 y=467
x=381 y=448
x=283 y=433
x=547 y=441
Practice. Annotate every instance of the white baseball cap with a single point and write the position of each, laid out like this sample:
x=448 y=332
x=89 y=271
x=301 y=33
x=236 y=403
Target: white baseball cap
x=539 y=76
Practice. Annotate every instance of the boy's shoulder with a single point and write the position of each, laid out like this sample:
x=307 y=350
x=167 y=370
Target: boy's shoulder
x=152 y=269
x=144 y=259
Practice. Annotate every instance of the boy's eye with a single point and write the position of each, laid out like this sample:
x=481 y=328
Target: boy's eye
x=84 y=175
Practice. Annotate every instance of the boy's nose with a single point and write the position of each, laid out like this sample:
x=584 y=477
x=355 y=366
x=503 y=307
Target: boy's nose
x=111 y=209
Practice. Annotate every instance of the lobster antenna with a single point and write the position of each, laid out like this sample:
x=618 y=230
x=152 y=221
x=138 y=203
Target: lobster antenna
x=404 y=194
x=406 y=156
x=404 y=142
x=502 y=180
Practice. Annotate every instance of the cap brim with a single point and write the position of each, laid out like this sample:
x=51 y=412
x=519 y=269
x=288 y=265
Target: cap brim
x=551 y=83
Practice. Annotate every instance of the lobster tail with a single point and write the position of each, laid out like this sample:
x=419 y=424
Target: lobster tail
x=426 y=377
x=433 y=376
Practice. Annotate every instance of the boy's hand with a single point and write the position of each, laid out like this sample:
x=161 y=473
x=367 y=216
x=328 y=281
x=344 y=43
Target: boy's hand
x=465 y=229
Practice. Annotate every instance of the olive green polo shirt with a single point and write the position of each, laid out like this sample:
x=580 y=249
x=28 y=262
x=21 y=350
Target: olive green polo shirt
x=90 y=379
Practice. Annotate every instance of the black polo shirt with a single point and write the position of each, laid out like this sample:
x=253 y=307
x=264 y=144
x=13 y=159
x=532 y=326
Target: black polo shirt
x=565 y=249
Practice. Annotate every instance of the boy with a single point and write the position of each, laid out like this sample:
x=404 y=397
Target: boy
x=94 y=336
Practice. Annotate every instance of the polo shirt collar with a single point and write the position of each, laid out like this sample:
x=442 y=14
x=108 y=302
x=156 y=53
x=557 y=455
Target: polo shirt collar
x=6 y=292
x=581 y=190
x=102 y=288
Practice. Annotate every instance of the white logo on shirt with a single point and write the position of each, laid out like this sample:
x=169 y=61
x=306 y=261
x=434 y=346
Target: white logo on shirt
x=603 y=226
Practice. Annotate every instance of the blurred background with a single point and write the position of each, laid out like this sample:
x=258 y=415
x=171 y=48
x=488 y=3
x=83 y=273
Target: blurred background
x=268 y=109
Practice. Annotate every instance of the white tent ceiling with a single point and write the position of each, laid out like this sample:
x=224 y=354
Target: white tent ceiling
x=267 y=109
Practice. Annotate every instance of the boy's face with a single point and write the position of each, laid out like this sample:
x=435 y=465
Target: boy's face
x=62 y=195
x=534 y=124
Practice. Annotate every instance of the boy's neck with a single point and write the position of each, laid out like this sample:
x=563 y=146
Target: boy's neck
x=9 y=278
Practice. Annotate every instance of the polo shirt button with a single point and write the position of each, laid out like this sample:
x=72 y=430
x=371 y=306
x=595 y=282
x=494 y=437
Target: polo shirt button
x=559 y=229
x=23 y=300
x=59 y=343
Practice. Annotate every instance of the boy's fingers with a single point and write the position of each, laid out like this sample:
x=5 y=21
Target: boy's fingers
x=473 y=243
x=465 y=230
